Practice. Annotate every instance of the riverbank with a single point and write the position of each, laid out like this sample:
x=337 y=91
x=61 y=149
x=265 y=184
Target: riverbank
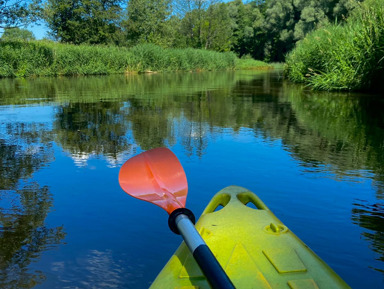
x=343 y=57
x=252 y=64
x=45 y=58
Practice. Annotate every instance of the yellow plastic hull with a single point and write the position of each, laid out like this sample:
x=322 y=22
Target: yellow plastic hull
x=254 y=247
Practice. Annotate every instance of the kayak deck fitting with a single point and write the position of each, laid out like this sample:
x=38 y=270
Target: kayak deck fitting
x=252 y=245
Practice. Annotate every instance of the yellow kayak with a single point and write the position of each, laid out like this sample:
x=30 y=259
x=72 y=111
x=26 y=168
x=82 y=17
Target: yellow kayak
x=254 y=247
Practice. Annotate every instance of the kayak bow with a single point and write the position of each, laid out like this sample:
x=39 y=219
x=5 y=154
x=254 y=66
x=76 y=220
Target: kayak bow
x=254 y=247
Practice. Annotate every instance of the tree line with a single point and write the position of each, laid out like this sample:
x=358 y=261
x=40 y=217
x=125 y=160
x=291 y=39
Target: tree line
x=262 y=29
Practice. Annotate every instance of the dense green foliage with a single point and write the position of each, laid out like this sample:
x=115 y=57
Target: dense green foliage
x=19 y=58
x=146 y=21
x=266 y=30
x=349 y=56
x=83 y=21
x=159 y=35
x=16 y=33
x=287 y=22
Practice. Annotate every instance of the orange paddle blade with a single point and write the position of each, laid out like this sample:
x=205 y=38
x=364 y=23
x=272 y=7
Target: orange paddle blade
x=155 y=176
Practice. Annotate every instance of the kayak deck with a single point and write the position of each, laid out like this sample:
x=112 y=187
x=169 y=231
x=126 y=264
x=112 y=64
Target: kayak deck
x=253 y=246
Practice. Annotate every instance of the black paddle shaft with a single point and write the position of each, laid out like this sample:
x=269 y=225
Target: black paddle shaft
x=215 y=274
x=204 y=257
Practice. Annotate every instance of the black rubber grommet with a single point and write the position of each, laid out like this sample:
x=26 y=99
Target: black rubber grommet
x=173 y=216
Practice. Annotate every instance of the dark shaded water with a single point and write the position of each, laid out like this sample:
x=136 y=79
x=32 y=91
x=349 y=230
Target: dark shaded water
x=316 y=159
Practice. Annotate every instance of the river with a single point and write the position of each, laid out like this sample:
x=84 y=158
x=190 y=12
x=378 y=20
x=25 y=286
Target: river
x=315 y=158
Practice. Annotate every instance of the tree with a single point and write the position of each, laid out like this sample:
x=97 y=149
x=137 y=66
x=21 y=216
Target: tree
x=17 y=13
x=146 y=21
x=172 y=31
x=247 y=25
x=17 y=34
x=194 y=13
x=84 y=21
x=287 y=22
x=216 y=28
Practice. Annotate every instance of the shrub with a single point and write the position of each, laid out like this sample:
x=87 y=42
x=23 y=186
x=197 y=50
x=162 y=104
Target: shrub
x=343 y=57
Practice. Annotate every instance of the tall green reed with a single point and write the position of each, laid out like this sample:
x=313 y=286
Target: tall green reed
x=149 y=57
x=343 y=57
x=24 y=59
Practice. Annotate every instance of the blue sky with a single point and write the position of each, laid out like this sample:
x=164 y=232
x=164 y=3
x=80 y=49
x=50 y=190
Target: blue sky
x=40 y=31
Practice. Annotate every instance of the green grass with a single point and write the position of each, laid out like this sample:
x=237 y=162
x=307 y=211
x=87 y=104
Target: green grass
x=149 y=57
x=44 y=58
x=248 y=63
x=343 y=57
x=87 y=60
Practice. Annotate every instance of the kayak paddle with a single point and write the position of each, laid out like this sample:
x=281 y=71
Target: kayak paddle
x=156 y=176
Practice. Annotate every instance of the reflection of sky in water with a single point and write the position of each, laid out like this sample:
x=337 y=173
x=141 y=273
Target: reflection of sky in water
x=114 y=241
x=81 y=159
x=35 y=113
x=96 y=269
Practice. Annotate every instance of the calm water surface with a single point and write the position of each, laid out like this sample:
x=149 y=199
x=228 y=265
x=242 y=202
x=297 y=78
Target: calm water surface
x=316 y=159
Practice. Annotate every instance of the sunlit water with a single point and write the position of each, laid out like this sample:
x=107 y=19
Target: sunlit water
x=316 y=159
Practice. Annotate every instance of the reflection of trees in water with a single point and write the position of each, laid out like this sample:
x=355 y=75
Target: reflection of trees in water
x=338 y=132
x=343 y=132
x=152 y=122
x=89 y=89
x=195 y=127
x=24 y=148
x=92 y=128
x=371 y=217
x=23 y=234
x=195 y=139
